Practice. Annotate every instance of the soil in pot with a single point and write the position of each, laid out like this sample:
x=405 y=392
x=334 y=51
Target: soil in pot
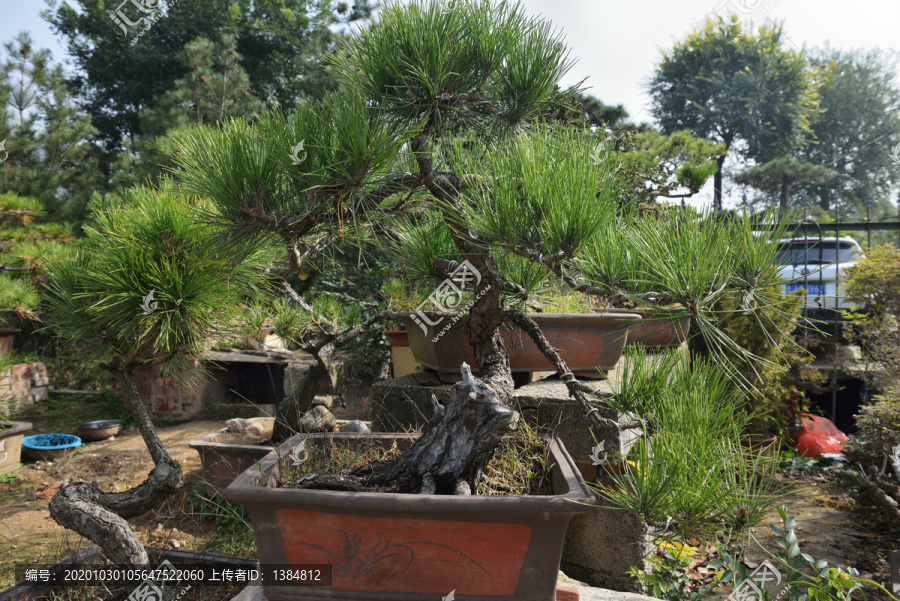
x=519 y=466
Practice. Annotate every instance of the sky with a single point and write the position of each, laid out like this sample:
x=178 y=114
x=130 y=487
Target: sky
x=618 y=43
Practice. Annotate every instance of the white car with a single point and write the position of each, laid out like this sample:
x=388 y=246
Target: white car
x=819 y=265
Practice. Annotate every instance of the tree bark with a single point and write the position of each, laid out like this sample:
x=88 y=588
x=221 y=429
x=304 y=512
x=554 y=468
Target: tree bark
x=717 y=183
x=449 y=456
x=783 y=199
x=100 y=517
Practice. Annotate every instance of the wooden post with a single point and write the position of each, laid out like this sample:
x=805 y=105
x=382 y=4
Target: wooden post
x=895 y=572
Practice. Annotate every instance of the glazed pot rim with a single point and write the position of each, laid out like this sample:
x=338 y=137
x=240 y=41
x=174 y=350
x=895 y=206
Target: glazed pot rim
x=246 y=488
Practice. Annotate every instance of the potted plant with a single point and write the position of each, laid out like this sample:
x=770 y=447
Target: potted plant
x=401 y=545
x=441 y=146
x=146 y=292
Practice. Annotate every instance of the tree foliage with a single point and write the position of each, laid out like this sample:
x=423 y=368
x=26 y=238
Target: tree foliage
x=141 y=242
x=747 y=91
x=215 y=88
x=280 y=42
x=857 y=127
x=782 y=173
x=48 y=137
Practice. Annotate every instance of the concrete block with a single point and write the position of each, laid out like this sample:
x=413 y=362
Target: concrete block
x=602 y=545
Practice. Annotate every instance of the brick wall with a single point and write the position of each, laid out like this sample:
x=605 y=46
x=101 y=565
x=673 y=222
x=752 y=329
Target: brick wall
x=168 y=398
x=21 y=386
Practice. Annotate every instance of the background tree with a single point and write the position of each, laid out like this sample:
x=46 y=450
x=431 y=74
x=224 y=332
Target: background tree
x=51 y=158
x=140 y=242
x=215 y=88
x=599 y=114
x=782 y=173
x=858 y=125
x=652 y=165
x=745 y=90
x=280 y=43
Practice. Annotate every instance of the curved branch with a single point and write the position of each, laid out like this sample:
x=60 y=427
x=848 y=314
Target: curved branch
x=101 y=516
x=576 y=390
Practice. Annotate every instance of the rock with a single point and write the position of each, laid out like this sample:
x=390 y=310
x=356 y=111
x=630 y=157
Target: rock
x=48 y=492
x=355 y=426
x=317 y=419
x=322 y=400
x=244 y=426
x=174 y=543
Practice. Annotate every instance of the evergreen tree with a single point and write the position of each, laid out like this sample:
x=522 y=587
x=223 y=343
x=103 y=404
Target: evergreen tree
x=745 y=90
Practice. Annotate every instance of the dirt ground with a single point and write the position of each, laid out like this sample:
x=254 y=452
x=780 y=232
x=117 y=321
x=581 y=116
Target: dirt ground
x=28 y=534
x=830 y=524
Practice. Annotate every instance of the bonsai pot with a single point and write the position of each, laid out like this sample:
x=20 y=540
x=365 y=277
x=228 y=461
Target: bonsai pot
x=403 y=362
x=587 y=342
x=49 y=447
x=11 y=434
x=100 y=429
x=760 y=444
x=404 y=546
x=222 y=462
x=7 y=335
x=656 y=330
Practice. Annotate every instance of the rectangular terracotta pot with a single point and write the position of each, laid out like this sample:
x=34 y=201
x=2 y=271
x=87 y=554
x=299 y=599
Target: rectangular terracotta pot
x=408 y=547
x=11 y=445
x=587 y=342
x=223 y=462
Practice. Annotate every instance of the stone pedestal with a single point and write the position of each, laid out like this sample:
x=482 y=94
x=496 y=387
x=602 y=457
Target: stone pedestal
x=602 y=545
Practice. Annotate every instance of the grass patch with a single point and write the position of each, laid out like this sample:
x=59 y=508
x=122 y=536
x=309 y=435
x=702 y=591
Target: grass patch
x=62 y=414
x=234 y=532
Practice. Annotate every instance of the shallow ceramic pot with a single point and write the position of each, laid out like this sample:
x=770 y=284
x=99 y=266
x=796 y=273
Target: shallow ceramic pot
x=587 y=342
x=222 y=462
x=404 y=546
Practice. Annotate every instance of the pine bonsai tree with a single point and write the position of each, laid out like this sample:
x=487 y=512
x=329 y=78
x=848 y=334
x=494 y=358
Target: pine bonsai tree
x=143 y=242
x=442 y=143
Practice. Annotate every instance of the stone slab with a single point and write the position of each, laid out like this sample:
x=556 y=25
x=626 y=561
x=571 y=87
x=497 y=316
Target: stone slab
x=602 y=545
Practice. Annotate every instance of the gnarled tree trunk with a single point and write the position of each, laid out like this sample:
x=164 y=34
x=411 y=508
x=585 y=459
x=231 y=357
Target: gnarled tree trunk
x=450 y=455
x=99 y=516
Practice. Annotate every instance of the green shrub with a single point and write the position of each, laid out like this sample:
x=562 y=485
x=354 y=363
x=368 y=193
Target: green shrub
x=877 y=430
x=875 y=282
x=771 y=381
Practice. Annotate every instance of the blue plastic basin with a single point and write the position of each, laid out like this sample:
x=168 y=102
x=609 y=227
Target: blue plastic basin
x=49 y=446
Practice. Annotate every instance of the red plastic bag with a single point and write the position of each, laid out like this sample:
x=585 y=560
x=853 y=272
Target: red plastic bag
x=819 y=435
